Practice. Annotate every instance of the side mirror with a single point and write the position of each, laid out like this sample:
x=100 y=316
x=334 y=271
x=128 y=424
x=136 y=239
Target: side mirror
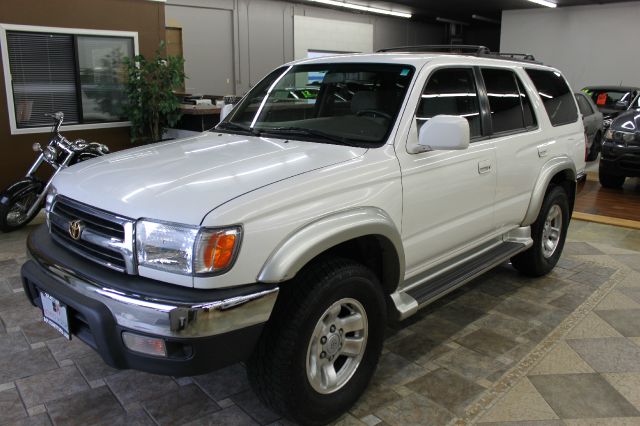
x=622 y=105
x=225 y=111
x=445 y=132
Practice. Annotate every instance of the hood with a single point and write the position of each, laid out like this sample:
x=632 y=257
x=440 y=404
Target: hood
x=182 y=180
x=628 y=121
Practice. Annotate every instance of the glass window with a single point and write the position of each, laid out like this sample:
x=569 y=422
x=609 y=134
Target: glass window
x=349 y=103
x=103 y=76
x=451 y=91
x=504 y=100
x=80 y=75
x=583 y=104
x=556 y=96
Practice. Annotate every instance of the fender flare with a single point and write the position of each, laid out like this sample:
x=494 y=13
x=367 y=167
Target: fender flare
x=317 y=237
x=19 y=188
x=549 y=170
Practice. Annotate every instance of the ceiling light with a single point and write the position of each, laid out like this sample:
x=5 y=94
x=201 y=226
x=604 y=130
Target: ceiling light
x=544 y=3
x=485 y=19
x=451 y=21
x=363 y=8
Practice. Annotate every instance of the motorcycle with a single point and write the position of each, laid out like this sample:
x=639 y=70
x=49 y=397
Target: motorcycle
x=22 y=201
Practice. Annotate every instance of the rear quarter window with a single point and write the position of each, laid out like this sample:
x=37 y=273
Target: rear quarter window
x=556 y=96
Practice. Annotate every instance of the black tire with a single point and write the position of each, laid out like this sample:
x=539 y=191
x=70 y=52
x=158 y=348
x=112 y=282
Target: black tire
x=611 y=181
x=534 y=262
x=21 y=196
x=592 y=155
x=278 y=368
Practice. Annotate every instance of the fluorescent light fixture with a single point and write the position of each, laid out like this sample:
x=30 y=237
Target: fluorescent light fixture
x=544 y=3
x=485 y=19
x=363 y=8
x=451 y=21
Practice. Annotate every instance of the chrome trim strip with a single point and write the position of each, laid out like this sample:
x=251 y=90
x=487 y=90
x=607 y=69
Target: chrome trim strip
x=172 y=318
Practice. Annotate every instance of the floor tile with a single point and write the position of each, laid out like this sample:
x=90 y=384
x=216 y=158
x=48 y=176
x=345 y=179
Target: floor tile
x=631 y=292
x=628 y=384
x=375 y=397
x=132 y=386
x=414 y=410
x=526 y=423
x=54 y=384
x=180 y=406
x=487 y=342
x=229 y=416
x=93 y=367
x=448 y=389
x=63 y=348
x=25 y=363
x=10 y=343
x=592 y=326
x=251 y=405
x=39 y=331
x=521 y=309
x=394 y=369
x=435 y=328
x=224 y=383
x=504 y=325
x=38 y=420
x=89 y=407
x=614 y=421
x=617 y=300
x=413 y=347
x=521 y=403
x=577 y=248
x=625 y=321
x=469 y=364
x=568 y=302
x=610 y=355
x=11 y=407
x=561 y=360
x=575 y=396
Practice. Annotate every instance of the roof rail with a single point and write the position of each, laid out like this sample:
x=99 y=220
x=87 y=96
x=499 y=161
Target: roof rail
x=451 y=48
x=464 y=49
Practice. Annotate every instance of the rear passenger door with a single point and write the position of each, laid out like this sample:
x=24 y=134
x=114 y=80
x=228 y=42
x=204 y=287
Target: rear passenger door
x=516 y=136
x=447 y=195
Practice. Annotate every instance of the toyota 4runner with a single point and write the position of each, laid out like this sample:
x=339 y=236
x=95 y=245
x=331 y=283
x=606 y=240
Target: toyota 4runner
x=288 y=235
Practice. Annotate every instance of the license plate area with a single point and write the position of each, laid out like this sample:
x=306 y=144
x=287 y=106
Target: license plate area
x=55 y=313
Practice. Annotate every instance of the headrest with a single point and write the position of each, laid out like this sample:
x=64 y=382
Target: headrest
x=364 y=100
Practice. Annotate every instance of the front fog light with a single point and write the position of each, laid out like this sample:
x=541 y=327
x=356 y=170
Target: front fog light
x=144 y=344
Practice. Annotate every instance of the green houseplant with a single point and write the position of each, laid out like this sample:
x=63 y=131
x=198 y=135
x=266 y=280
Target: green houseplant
x=153 y=106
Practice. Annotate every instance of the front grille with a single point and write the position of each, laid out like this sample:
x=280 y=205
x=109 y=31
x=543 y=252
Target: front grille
x=105 y=238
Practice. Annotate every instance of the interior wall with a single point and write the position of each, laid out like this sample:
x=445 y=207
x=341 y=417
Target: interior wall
x=590 y=44
x=346 y=37
x=263 y=34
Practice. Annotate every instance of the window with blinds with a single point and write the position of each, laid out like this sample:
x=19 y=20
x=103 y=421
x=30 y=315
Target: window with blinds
x=81 y=75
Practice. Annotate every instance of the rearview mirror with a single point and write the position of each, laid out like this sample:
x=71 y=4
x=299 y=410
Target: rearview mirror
x=445 y=132
x=225 y=111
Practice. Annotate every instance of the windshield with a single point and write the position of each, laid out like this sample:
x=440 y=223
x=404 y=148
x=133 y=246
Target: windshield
x=608 y=98
x=355 y=103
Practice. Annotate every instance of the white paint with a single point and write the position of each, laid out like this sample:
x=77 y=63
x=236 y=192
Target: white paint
x=591 y=44
x=330 y=35
x=57 y=30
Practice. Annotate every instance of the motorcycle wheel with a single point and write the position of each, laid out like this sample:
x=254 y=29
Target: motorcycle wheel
x=15 y=203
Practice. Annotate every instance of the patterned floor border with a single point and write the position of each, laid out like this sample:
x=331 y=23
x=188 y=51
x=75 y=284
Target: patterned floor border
x=500 y=388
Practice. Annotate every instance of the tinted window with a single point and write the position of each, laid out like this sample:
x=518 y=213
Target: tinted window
x=556 y=96
x=583 y=104
x=504 y=100
x=451 y=91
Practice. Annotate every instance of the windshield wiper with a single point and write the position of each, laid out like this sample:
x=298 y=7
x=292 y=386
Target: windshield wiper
x=228 y=125
x=309 y=132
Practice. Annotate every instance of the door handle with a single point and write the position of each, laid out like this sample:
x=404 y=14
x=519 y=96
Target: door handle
x=484 y=167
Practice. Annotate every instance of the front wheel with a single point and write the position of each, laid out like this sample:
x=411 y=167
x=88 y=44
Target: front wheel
x=322 y=344
x=611 y=181
x=15 y=203
x=549 y=232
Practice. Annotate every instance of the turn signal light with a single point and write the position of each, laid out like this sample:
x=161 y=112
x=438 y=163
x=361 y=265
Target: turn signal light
x=216 y=250
x=144 y=344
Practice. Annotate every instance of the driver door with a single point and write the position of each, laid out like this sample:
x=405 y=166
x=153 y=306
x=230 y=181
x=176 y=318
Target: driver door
x=448 y=196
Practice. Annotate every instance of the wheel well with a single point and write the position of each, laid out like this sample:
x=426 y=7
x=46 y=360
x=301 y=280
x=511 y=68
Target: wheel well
x=376 y=253
x=566 y=180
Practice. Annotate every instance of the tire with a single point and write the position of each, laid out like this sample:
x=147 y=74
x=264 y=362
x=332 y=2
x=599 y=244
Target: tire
x=543 y=256
x=16 y=199
x=595 y=147
x=278 y=369
x=611 y=181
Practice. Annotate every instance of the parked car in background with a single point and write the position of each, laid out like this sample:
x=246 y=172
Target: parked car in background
x=592 y=119
x=613 y=100
x=621 y=150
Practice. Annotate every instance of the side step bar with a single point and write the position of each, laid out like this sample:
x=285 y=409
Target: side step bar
x=438 y=285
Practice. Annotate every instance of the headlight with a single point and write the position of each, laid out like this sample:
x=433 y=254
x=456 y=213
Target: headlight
x=618 y=136
x=186 y=250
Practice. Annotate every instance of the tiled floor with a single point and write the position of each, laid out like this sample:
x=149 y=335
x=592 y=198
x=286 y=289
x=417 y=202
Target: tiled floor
x=551 y=351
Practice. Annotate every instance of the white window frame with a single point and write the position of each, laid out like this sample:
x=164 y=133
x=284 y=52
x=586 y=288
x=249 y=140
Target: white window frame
x=7 y=73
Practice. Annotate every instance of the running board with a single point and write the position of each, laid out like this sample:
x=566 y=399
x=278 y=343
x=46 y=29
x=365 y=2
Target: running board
x=438 y=285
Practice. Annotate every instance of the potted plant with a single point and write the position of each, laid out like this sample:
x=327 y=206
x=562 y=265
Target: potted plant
x=153 y=107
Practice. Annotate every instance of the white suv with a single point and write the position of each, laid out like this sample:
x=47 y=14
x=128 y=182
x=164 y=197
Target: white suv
x=340 y=192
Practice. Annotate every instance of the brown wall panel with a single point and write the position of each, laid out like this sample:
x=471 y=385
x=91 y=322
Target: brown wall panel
x=145 y=17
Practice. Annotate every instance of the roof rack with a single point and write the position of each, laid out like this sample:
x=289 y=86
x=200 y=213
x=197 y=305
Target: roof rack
x=464 y=49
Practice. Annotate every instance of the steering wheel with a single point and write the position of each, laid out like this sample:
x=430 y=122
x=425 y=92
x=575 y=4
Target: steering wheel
x=374 y=113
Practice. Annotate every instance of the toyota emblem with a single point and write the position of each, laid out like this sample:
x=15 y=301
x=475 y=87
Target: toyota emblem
x=75 y=229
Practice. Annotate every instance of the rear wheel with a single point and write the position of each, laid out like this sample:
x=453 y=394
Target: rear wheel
x=548 y=232
x=611 y=181
x=15 y=203
x=322 y=344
